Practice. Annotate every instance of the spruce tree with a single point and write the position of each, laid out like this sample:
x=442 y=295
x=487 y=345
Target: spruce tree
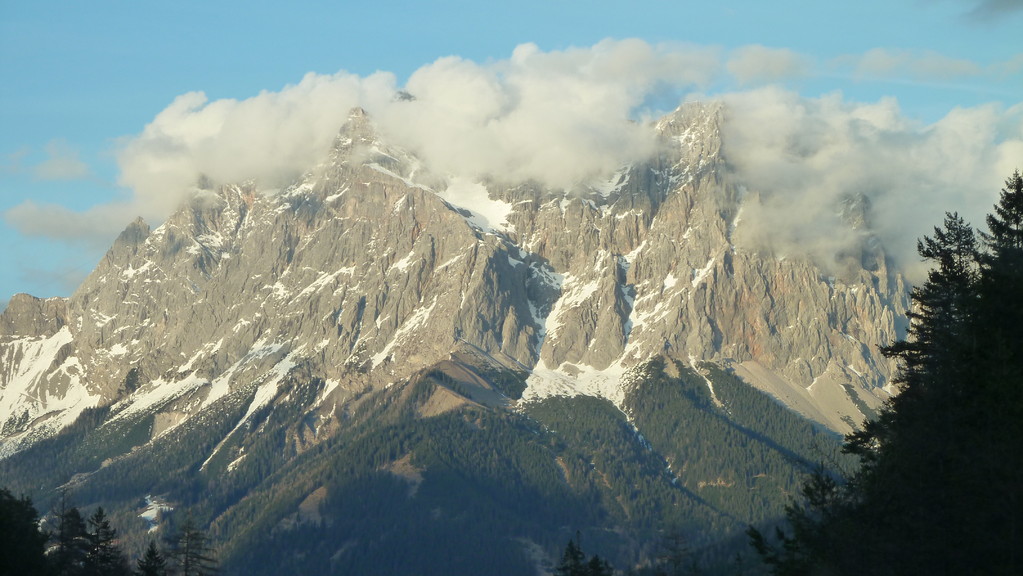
x=152 y=562
x=674 y=557
x=103 y=557
x=191 y=551
x=71 y=540
x=22 y=544
x=1005 y=225
x=574 y=563
x=597 y=566
x=999 y=411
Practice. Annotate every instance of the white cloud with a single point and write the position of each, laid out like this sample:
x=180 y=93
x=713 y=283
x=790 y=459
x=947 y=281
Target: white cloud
x=556 y=117
x=271 y=137
x=920 y=66
x=1010 y=67
x=562 y=116
x=759 y=64
x=97 y=226
x=805 y=155
x=62 y=163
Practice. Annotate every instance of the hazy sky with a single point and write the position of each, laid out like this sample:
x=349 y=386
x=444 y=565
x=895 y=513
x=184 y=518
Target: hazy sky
x=109 y=109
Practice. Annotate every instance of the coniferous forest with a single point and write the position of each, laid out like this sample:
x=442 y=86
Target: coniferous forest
x=938 y=487
x=66 y=543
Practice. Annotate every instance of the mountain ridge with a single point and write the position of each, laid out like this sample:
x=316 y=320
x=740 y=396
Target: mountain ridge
x=378 y=345
x=574 y=283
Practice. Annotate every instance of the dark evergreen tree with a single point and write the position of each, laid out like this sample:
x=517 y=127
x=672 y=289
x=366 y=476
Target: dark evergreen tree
x=22 y=544
x=191 y=551
x=999 y=412
x=152 y=563
x=104 y=557
x=814 y=530
x=674 y=557
x=597 y=566
x=1005 y=225
x=71 y=540
x=937 y=491
x=574 y=563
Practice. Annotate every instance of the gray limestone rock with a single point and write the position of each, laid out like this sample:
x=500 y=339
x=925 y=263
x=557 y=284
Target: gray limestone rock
x=363 y=274
x=30 y=316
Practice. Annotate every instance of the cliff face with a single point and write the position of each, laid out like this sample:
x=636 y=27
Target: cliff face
x=370 y=270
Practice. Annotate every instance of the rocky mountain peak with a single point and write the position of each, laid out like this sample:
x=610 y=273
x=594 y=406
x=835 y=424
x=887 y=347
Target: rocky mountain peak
x=356 y=138
x=134 y=234
x=357 y=148
x=33 y=317
x=444 y=349
x=128 y=242
x=368 y=271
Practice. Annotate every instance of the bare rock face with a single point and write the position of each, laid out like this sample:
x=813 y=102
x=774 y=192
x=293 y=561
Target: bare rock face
x=30 y=316
x=649 y=266
x=364 y=273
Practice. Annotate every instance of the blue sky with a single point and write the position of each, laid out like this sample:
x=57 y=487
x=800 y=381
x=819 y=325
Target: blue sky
x=81 y=82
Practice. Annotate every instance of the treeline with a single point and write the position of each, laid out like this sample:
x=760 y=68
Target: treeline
x=672 y=555
x=937 y=489
x=71 y=544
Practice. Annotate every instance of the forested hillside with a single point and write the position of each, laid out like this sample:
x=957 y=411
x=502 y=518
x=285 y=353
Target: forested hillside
x=469 y=490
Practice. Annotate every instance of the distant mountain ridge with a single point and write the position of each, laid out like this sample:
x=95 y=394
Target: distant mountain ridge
x=372 y=275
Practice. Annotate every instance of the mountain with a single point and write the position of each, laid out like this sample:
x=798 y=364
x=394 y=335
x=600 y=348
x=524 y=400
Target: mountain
x=379 y=355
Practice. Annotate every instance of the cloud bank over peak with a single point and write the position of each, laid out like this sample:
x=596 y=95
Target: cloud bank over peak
x=561 y=117
x=271 y=137
x=558 y=117
x=806 y=158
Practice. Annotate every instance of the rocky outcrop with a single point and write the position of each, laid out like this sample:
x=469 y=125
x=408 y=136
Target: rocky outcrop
x=30 y=316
